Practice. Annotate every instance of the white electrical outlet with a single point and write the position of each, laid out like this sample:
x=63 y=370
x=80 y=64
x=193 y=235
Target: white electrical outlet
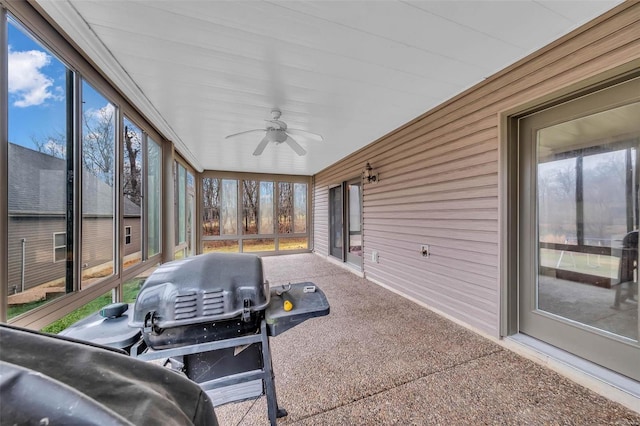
x=374 y=256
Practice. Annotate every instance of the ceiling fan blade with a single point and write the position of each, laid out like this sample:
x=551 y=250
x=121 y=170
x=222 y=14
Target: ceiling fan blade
x=295 y=146
x=261 y=146
x=309 y=135
x=242 y=133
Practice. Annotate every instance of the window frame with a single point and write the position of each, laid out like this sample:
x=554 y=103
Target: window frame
x=46 y=35
x=518 y=214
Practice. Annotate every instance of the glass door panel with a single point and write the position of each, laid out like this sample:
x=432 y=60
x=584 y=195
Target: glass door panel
x=354 y=202
x=335 y=223
x=580 y=269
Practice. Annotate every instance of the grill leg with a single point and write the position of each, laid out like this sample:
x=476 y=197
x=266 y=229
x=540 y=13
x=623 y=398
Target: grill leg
x=275 y=412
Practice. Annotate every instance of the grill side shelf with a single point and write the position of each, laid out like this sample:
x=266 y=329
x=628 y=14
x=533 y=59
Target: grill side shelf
x=305 y=305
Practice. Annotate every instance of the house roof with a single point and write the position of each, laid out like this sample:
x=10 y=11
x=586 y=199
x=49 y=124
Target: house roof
x=37 y=182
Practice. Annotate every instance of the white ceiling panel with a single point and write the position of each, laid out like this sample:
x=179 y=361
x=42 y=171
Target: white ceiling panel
x=351 y=71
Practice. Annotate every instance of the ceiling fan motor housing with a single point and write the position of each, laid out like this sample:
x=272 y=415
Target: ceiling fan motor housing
x=276 y=135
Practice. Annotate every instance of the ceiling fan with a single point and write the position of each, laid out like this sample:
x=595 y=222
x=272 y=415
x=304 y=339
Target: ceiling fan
x=278 y=132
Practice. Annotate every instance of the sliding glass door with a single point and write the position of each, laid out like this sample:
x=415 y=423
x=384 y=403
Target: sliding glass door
x=345 y=222
x=578 y=226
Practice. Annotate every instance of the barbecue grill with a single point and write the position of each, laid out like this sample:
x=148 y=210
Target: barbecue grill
x=200 y=299
x=210 y=317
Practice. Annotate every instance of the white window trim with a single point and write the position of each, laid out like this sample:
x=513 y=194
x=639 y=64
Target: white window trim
x=127 y=235
x=55 y=247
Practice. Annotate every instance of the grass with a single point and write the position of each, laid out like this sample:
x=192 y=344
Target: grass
x=590 y=264
x=130 y=291
x=15 y=310
x=257 y=245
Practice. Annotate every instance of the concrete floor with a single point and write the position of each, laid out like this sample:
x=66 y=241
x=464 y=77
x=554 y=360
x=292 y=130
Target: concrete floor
x=591 y=305
x=380 y=359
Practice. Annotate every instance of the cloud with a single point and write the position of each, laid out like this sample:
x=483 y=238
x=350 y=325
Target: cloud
x=26 y=80
x=104 y=114
x=55 y=148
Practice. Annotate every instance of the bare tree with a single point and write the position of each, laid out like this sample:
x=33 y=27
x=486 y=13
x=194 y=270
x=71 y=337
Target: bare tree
x=132 y=164
x=98 y=143
x=98 y=150
x=285 y=207
x=250 y=206
x=54 y=145
x=211 y=206
x=604 y=196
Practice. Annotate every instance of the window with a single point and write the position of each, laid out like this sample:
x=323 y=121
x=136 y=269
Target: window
x=132 y=188
x=266 y=208
x=67 y=154
x=184 y=182
x=98 y=141
x=250 y=206
x=285 y=208
x=254 y=214
x=211 y=207
x=229 y=207
x=39 y=159
x=153 y=188
x=299 y=208
x=59 y=246
x=190 y=212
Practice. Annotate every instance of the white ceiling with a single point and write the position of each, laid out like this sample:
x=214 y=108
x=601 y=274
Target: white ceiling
x=351 y=71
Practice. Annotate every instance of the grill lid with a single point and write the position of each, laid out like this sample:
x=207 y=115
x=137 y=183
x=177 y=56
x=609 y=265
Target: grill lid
x=207 y=287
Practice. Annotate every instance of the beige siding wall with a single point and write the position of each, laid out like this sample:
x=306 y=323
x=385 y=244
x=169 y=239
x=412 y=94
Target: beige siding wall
x=38 y=233
x=39 y=265
x=321 y=218
x=97 y=242
x=136 y=235
x=439 y=176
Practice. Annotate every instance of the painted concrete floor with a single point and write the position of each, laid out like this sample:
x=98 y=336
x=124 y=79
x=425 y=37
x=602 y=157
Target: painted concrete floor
x=380 y=359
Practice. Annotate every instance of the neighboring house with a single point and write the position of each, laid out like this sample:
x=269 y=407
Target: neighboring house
x=37 y=220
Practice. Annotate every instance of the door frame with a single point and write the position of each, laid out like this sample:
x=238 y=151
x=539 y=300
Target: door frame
x=514 y=261
x=331 y=216
x=354 y=261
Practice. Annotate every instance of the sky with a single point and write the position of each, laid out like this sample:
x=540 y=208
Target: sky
x=37 y=86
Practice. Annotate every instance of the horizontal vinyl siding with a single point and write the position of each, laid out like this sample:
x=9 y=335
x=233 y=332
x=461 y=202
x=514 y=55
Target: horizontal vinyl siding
x=321 y=219
x=136 y=236
x=97 y=242
x=39 y=262
x=439 y=177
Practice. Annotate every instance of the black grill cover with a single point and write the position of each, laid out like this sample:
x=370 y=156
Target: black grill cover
x=47 y=379
x=207 y=288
